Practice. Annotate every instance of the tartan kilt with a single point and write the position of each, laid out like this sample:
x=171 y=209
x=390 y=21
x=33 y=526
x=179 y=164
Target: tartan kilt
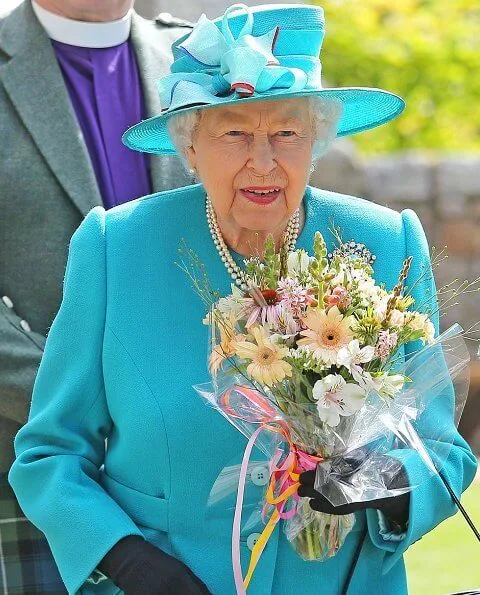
x=27 y=566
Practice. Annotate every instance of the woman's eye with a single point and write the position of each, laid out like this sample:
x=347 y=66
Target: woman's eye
x=235 y=133
x=286 y=133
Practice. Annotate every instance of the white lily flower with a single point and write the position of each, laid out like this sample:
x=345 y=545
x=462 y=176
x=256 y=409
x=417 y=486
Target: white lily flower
x=335 y=397
x=384 y=385
x=370 y=382
x=391 y=385
x=297 y=262
x=352 y=355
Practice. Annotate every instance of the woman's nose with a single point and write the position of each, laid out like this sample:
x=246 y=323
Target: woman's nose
x=262 y=156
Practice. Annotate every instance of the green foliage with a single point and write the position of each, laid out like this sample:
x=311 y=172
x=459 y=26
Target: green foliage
x=320 y=251
x=368 y=327
x=272 y=263
x=317 y=265
x=426 y=51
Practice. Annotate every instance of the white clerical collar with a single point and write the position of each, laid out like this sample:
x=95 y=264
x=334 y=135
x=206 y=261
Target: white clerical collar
x=81 y=33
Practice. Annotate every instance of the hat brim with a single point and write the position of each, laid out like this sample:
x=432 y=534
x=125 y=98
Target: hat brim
x=363 y=108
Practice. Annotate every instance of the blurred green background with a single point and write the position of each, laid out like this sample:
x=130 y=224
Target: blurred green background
x=426 y=51
x=447 y=559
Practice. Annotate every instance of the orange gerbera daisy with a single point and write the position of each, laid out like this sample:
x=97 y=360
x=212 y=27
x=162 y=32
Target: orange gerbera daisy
x=225 y=348
x=327 y=333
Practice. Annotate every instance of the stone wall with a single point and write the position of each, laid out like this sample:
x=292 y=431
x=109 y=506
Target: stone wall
x=444 y=190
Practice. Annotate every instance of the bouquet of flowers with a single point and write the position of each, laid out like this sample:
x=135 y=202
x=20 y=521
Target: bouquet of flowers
x=308 y=353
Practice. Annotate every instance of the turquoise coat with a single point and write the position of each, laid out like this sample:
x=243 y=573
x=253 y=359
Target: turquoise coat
x=122 y=355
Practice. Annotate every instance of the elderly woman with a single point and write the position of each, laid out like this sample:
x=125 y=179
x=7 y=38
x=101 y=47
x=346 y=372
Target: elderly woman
x=245 y=108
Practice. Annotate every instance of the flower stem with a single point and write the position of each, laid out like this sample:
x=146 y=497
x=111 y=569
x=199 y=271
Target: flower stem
x=310 y=542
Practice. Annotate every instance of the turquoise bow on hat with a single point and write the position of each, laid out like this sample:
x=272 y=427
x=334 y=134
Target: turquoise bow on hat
x=244 y=65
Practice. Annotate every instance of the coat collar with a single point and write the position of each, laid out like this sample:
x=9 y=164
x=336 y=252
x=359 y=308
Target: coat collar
x=81 y=33
x=154 y=58
x=35 y=85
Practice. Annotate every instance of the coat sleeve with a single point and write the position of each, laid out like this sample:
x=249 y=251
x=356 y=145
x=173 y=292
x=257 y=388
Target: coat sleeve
x=430 y=502
x=20 y=355
x=61 y=448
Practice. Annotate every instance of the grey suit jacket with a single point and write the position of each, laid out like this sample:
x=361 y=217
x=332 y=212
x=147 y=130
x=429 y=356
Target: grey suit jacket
x=47 y=186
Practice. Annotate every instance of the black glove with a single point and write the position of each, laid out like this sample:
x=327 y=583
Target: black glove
x=139 y=568
x=392 y=476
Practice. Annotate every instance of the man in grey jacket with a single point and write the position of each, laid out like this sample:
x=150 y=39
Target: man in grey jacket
x=73 y=75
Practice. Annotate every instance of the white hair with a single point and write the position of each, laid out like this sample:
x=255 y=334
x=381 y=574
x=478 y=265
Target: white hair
x=325 y=114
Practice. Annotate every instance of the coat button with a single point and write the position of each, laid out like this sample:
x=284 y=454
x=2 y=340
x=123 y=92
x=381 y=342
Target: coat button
x=7 y=301
x=26 y=327
x=260 y=475
x=252 y=540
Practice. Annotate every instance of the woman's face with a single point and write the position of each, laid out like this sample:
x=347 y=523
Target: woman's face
x=254 y=161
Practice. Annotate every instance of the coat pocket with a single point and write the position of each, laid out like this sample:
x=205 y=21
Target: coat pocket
x=149 y=513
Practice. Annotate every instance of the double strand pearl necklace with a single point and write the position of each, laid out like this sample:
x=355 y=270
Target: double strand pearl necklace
x=238 y=276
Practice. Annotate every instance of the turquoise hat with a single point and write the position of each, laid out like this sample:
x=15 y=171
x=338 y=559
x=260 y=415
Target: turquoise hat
x=252 y=54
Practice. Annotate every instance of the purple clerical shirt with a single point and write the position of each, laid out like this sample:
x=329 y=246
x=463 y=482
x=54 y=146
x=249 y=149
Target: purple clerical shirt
x=106 y=94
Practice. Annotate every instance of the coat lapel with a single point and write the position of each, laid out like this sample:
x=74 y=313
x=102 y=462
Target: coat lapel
x=34 y=83
x=153 y=57
x=152 y=44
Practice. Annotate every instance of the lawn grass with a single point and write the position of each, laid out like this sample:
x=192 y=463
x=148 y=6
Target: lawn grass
x=447 y=559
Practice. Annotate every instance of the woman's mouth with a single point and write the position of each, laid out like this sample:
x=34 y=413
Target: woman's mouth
x=261 y=195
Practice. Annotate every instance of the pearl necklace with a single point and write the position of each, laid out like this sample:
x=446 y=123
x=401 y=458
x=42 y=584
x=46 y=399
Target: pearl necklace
x=239 y=277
